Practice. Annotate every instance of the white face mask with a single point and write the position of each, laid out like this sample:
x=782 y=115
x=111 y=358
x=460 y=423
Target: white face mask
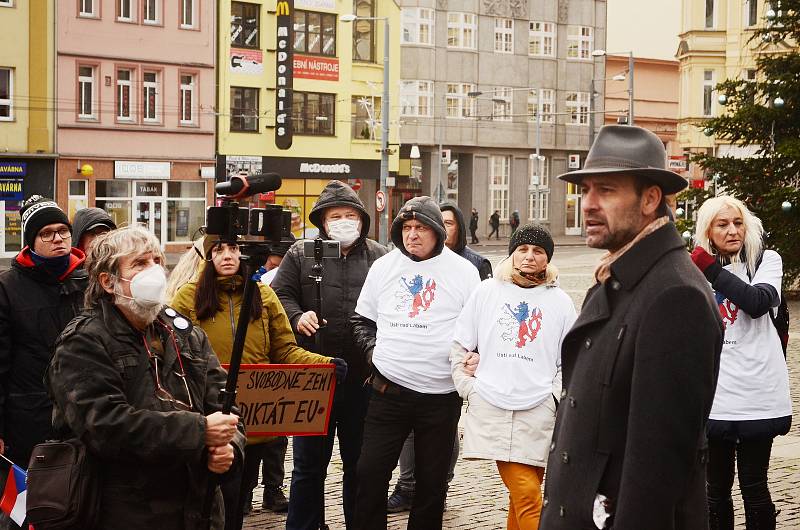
x=149 y=286
x=345 y=231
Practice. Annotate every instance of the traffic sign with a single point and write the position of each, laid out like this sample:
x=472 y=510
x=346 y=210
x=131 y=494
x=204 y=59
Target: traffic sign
x=355 y=184
x=380 y=200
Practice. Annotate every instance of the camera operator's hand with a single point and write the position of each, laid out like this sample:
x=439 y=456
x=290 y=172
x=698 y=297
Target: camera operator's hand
x=340 y=368
x=308 y=324
x=220 y=458
x=220 y=428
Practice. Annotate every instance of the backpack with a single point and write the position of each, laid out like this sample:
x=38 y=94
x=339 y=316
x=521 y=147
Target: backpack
x=781 y=317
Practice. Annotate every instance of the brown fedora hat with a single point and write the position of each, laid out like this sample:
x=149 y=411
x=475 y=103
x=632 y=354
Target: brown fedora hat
x=629 y=149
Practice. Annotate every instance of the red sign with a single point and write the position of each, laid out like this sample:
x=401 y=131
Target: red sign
x=380 y=200
x=322 y=68
x=697 y=183
x=355 y=184
x=267 y=197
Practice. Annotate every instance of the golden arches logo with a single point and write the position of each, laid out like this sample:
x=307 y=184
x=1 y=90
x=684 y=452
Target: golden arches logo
x=283 y=8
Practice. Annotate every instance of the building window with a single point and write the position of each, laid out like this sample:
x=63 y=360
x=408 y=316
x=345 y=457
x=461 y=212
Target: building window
x=501 y=104
x=187 y=99
x=86 y=92
x=504 y=35
x=187 y=14
x=314 y=113
x=6 y=94
x=6 y=3
x=150 y=11
x=416 y=98
x=542 y=39
x=364 y=31
x=459 y=104
x=244 y=109
x=539 y=190
x=124 y=87
x=749 y=74
x=87 y=8
x=500 y=168
x=124 y=10
x=114 y=196
x=77 y=198
x=461 y=30
x=579 y=42
x=244 y=25
x=541 y=100
x=150 y=97
x=365 y=117
x=315 y=33
x=186 y=210
x=418 y=24
x=708 y=92
x=751 y=12
x=578 y=108
x=711 y=8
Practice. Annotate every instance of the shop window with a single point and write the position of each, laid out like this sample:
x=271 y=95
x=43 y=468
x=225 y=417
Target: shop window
x=315 y=33
x=186 y=210
x=365 y=117
x=114 y=196
x=364 y=31
x=244 y=109
x=78 y=199
x=313 y=113
x=299 y=197
x=244 y=25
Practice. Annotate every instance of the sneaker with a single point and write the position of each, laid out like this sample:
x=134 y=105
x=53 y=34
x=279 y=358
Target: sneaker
x=399 y=501
x=275 y=500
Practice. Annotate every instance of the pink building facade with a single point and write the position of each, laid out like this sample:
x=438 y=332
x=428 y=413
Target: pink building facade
x=135 y=85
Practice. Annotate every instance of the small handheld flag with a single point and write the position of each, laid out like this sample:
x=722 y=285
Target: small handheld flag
x=13 y=501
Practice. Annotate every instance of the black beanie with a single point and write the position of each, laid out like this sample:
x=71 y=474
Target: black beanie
x=38 y=212
x=532 y=235
x=426 y=211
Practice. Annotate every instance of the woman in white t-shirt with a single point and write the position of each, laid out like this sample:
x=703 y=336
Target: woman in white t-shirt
x=752 y=403
x=516 y=321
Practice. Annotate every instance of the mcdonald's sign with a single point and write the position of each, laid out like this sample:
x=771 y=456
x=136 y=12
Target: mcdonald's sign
x=284 y=75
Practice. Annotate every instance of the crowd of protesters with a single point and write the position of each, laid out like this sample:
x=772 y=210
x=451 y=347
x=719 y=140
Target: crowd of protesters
x=636 y=410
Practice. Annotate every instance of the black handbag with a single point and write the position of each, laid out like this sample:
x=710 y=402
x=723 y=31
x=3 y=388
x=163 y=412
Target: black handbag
x=63 y=486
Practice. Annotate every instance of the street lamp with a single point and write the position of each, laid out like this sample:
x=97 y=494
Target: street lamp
x=383 y=217
x=602 y=53
x=593 y=94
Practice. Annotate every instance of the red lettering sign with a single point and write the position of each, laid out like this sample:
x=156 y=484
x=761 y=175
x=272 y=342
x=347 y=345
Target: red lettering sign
x=320 y=68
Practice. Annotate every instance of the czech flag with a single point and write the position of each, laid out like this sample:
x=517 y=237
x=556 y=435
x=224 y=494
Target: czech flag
x=13 y=501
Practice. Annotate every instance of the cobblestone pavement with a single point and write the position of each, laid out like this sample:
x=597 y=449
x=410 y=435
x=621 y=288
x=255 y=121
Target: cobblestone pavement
x=477 y=498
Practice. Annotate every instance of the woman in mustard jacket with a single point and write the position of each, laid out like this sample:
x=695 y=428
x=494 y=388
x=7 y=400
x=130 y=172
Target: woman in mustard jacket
x=213 y=301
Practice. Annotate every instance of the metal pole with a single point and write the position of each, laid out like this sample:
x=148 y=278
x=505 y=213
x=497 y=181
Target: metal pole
x=538 y=163
x=591 y=113
x=630 y=88
x=383 y=219
x=437 y=195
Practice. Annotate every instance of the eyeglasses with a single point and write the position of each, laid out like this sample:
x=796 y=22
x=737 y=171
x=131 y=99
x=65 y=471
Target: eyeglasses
x=49 y=235
x=162 y=393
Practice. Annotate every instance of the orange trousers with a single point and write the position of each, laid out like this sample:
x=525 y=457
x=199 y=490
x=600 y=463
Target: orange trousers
x=524 y=485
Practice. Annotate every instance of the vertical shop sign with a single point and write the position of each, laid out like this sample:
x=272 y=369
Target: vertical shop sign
x=283 y=88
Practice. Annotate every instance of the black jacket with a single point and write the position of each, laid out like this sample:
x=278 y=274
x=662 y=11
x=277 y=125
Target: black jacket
x=640 y=368
x=483 y=265
x=494 y=220
x=152 y=456
x=35 y=306
x=341 y=282
x=473 y=221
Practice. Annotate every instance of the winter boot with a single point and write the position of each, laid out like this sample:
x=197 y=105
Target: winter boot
x=720 y=515
x=760 y=517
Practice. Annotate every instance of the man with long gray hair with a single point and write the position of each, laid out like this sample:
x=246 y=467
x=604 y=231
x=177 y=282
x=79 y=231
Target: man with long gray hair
x=139 y=385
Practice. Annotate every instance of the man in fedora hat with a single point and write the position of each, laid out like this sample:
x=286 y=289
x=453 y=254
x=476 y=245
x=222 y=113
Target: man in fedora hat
x=640 y=363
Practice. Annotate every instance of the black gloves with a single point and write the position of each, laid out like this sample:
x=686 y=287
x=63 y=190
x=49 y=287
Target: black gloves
x=340 y=368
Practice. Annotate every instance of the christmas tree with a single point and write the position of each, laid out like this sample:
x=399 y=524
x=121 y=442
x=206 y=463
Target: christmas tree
x=764 y=115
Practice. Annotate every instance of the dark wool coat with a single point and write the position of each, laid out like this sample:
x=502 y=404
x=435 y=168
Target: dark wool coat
x=640 y=368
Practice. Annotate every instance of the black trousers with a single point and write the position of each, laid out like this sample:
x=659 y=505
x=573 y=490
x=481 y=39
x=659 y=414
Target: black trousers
x=473 y=235
x=237 y=486
x=752 y=459
x=390 y=418
x=495 y=230
x=273 y=468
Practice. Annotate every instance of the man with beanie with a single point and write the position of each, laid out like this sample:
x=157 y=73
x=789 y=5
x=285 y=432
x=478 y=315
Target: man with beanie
x=89 y=223
x=400 y=500
x=403 y=326
x=339 y=214
x=640 y=363
x=39 y=294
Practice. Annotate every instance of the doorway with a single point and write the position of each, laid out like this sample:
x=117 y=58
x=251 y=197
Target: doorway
x=574 y=219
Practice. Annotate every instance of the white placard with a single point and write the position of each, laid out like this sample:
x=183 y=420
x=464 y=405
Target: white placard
x=131 y=169
x=315 y=4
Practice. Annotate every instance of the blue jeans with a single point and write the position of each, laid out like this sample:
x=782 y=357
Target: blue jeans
x=313 y=453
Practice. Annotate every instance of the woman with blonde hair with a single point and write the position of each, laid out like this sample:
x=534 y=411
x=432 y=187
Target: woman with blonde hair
x=187 y=268
x=751 y=404
x=517 y=321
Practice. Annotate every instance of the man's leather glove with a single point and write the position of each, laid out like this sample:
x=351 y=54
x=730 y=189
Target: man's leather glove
x=340 y=368
x=707 y=263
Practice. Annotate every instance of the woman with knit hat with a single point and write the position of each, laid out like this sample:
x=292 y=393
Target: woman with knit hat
x=516 y=321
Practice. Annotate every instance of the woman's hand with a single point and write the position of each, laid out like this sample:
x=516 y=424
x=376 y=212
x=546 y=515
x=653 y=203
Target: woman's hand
x=471 y=360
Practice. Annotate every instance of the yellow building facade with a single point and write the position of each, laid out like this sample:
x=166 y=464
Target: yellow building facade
x=337 y=79
x=27 y=159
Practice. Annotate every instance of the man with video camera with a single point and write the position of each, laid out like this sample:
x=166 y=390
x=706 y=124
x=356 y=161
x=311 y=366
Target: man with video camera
x=340 y=215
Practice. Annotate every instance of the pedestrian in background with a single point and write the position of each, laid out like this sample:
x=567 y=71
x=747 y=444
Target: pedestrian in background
x=339 y=214
x=403 y=327
x=87 y=224
x=39 y=295
x=473 y=227
x=213 y=302
x=517 y=321
x=140 y=386
x=513 y=221
x=640 y=364
x=752 y=404
x=494 y=222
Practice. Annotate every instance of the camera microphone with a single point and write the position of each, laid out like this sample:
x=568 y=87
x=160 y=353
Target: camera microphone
x=244 y=186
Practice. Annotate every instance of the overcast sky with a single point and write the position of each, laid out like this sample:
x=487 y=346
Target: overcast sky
x=649 y=28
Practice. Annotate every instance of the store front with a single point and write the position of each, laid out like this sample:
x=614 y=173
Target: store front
x=20 y=178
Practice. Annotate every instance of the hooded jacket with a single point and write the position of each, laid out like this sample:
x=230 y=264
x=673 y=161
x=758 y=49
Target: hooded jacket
x=425 y=210
x=483 y=265
x=35 y=306
x=341 y=282
x=88 y=218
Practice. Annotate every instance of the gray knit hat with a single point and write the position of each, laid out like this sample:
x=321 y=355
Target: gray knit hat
x=425 y=210
x=532 y=235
